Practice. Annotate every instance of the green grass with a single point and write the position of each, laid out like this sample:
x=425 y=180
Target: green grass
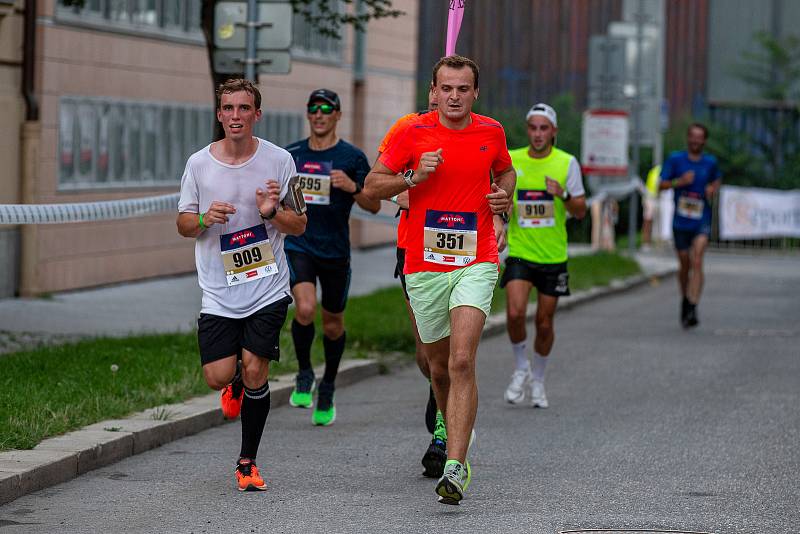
x=52 y=390
x=584 y=272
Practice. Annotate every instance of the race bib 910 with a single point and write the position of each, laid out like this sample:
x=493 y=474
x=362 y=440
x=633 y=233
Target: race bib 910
x=314 y=180
x=247 y=255
x=450 y=237
x=535 y=209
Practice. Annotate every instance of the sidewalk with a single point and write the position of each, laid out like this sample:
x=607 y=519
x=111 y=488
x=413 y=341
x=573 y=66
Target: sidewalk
x=172 y=304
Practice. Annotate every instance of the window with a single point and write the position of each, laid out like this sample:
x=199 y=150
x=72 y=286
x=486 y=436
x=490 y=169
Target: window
x=308 y=43
x=157 y=18
x=109 y=143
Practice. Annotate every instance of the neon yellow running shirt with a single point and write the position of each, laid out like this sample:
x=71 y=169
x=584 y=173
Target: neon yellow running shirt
x=537 y=229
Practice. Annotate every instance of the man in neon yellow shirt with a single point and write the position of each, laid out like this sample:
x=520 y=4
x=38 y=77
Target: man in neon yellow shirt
x=549 y=185
x=650 y=204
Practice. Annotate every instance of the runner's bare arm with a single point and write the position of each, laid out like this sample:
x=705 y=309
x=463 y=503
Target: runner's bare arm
x=713 y=188
x=289 y=223
x=502 y=191
x=285 y=221
x=382 y=182
x=189 y=223
x=576 y=205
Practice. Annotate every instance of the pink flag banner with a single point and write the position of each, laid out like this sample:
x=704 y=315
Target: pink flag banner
x=454 y=18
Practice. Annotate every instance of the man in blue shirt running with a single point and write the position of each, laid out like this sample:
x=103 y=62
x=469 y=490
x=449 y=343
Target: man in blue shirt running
x=696 y=178
x=331 y=176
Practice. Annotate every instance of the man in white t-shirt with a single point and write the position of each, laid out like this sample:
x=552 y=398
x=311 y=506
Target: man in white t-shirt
x=231 y=203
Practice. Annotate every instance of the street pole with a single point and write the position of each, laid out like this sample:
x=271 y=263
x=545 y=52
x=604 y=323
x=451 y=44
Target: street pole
x=637 y=127
x=250 y=53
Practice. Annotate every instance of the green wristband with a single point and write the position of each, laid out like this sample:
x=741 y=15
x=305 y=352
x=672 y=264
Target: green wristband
x=674 y=183
x=202 y=224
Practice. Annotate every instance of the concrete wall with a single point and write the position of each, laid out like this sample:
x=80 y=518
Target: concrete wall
x=81 y=61
x=12 y=109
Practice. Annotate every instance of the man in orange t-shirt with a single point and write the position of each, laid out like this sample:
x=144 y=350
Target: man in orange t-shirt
x=436 y=454
x=451 y=262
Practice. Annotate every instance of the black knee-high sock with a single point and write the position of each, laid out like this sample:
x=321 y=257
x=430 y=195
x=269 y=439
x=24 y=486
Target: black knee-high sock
x=334 y=348
x=303 y=337
x=255 y=409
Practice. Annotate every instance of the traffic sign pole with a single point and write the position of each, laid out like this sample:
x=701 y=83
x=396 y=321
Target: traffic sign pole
x=250 y=56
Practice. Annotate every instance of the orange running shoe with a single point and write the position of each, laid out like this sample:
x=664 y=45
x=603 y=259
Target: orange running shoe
x=247 y=476
x=232 y=395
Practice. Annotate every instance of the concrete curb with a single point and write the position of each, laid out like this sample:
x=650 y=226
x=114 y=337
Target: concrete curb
x=56 y=460
x=496 y=323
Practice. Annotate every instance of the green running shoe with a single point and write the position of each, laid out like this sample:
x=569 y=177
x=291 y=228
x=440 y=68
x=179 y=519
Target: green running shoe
x=440 y=429
x=301 y=396
x=454 y=482
x=324 y=412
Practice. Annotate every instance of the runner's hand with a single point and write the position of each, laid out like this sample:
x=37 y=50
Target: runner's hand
x=498 y=200
x=499 y=233
x=402 y=200
x=340 y=180
x=268 y=199
x=686 y=179
x=553 y=187
x=710 y=191
x=218 y=213
x=427 y=165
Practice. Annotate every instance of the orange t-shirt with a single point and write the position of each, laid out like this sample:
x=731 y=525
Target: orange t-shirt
x=449 y=219
x=402 y=225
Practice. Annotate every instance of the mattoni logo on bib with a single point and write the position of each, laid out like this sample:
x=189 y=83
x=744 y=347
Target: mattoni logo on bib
x=451 y=220
x=241 y=238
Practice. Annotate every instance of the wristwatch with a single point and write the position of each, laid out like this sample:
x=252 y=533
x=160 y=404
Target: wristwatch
x=271 y=215
x=565 y=196
x=503 y=216
x=358 y=188
x=408 y=177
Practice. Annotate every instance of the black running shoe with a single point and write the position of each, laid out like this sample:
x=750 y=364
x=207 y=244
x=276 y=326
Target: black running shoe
x=691 y=317
x=430 y=412
x=434 y=459
x=685 y=305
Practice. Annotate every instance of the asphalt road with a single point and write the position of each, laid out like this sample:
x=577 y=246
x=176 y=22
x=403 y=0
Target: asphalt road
x=650 y=427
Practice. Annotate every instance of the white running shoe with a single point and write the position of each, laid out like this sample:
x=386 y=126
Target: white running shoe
x=538 y=396
x=515 y=392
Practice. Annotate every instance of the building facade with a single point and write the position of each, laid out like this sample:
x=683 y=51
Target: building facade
x=124 y=96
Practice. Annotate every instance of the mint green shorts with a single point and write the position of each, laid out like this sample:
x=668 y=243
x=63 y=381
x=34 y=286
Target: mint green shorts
x=433 y=295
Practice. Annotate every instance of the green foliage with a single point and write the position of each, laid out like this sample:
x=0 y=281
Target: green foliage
x=52 y=390
x=773 y=68
x=329 y=19
x=584 y=272
x=513 y=121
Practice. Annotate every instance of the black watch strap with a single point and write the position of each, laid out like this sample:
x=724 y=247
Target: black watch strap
x=358 y=189
x=271 y=215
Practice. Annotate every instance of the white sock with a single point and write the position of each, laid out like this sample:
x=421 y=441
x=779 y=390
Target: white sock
x=519 y=353
x=539 y=364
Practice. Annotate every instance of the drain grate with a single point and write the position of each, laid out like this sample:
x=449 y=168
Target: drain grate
x=628 y=531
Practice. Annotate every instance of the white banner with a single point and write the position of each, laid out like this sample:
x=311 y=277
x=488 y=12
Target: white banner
x=753 y=213
x=604 y=143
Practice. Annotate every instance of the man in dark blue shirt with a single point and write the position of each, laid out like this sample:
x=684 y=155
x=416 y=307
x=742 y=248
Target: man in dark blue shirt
x=331 y=173
x=695 y=178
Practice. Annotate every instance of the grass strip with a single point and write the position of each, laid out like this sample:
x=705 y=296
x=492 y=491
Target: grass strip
x=53 y=390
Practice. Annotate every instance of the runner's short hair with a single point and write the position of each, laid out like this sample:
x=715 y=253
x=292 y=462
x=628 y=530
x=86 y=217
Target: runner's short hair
x=456 y=62
x=234 y=85
x=699 y=126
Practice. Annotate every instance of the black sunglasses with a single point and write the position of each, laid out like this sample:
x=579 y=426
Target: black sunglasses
x=326 y=109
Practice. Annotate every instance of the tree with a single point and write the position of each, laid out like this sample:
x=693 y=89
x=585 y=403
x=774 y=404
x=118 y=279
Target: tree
x=323 y=15
x=773 y=71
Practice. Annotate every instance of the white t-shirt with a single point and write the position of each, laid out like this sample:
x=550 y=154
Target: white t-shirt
x=574 y=179
x=207 y=179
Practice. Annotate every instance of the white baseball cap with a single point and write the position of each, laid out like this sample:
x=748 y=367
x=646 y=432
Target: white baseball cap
x=545 y=111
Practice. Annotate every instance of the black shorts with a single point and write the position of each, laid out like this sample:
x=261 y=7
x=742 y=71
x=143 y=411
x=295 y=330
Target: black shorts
x=548 y=278
x=684 y=238
x=259 y=333
x=398 y=269
x=333 y=274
